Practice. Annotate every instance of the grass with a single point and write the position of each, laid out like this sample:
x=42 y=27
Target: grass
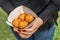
x=57 y=32
x=5 y=31
x=7 y=34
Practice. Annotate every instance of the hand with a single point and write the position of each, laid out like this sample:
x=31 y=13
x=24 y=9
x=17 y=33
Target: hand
x=26 y=33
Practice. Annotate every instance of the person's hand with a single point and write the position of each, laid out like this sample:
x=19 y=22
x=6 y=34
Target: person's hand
x=26 y=33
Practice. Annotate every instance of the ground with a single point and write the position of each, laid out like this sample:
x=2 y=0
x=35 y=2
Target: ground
x=7 y=34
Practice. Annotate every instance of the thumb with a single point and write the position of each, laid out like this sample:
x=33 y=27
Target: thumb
x=37 y=23
x=34 y=25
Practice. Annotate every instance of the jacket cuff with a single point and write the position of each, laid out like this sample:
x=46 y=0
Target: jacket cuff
x=48 y=12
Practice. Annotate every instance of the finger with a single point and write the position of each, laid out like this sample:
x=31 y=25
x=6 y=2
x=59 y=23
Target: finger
x=33 y=27
x=15 y=29
x=30 y=29
x=25 y=33
x=22 y=36
x=37 y=24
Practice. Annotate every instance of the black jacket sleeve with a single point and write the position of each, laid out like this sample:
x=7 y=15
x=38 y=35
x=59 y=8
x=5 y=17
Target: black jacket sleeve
x=57 y=3
x=1 y=2
x=6 y=5
x=48 y=12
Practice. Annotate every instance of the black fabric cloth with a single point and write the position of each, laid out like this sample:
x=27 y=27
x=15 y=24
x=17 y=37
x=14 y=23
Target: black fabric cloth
x=35 y=5
x=57 y=3
x=6 y=5
x=48 y=12
x=45 y=9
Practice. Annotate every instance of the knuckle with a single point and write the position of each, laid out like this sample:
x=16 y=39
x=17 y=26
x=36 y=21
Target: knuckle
x=30 y=30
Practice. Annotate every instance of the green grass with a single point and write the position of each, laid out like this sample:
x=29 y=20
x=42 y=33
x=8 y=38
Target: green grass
x=5 y=31
x=7 y=34
x=57 y=32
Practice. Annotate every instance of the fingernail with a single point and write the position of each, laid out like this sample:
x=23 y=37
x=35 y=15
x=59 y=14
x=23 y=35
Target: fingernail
x=24 y=30
x=19 y=30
